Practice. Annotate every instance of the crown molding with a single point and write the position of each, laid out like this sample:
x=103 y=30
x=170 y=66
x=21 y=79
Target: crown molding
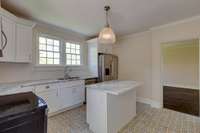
x=176 y=23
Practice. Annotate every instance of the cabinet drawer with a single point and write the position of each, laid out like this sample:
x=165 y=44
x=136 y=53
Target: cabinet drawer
x=45 y=88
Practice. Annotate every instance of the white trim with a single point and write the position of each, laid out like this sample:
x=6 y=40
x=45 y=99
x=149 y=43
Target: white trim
x=144 y=100
x=160 y=27
x=156 y=104
x=176 y=23
x=81 y=52
x=62 y=51
x=134 y=35
x=37 y=50
x=153 y=103
x=181 y=86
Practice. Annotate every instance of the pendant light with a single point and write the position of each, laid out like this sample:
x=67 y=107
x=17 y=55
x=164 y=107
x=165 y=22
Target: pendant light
x=107 y=36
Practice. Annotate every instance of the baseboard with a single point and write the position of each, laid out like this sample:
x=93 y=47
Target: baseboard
x=156 y=104
x=153 y=103
x=144 y=100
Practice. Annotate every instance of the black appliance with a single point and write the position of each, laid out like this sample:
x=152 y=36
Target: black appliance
x=23 y=113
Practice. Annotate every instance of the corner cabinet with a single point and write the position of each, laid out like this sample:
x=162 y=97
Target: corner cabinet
x=16 y=38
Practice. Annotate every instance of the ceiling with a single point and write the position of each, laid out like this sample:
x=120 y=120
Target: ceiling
x=87 y=16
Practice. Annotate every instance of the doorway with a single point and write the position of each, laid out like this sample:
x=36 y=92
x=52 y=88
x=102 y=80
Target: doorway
x=180 y=76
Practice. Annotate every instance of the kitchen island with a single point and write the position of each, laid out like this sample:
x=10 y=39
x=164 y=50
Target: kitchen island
x=111 y=105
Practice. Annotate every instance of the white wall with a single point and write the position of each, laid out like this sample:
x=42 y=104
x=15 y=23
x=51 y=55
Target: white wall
x=134 y=54
x=11 y=72
x=181 y=64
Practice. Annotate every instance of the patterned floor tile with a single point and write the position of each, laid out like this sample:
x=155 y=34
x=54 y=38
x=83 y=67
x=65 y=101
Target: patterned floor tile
x=150 y=120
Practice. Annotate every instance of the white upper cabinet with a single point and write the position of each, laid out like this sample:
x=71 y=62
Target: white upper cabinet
x=101 y=48
x=8 y=39
x=23 y=43
x=93 y=49
x=16 y=33
x=105 y=48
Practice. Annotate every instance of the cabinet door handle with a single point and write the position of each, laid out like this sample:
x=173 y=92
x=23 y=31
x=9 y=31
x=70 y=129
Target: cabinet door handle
x=47 y=87
x=6 y=40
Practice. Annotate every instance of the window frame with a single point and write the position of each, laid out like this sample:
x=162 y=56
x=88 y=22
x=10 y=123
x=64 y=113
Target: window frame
x=81 y=54
x=62 y=51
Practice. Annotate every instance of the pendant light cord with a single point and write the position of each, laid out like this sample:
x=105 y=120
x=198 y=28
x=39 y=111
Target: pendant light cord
x=107 y=8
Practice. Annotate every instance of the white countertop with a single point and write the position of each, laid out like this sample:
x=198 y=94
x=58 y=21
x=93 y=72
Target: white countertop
x=115 y=87
x=6 y=86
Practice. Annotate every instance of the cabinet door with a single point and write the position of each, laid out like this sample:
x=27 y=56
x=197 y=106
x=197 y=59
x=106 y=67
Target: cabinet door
x=50 y=95
x=105 y=48
x=51 y=98
x=66 y=97
x=8 y=27
x=78 y=94
x=23 y=43
x=93 y=59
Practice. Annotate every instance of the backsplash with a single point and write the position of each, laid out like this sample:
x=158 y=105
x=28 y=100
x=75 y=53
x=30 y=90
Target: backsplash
x=78 y=71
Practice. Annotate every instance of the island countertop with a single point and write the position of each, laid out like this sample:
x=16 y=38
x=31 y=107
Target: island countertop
x=115 y=87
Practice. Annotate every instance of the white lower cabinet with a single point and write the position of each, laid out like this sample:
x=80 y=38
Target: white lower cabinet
x=60 y=96
x=51 y=99
x=77 y=94
x=72 y=95
x=49 y=93
x=66 y=97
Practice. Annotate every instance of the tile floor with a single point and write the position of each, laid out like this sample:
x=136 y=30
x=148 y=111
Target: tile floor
x=148 y=120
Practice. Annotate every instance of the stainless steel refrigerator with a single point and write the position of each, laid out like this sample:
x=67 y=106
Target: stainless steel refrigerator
x=107 y=67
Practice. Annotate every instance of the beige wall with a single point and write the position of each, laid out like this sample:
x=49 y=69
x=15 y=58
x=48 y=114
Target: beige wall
x=11 y=72
x=181 y=64
x=140 y=52
x=185 y=30
x=134 y=54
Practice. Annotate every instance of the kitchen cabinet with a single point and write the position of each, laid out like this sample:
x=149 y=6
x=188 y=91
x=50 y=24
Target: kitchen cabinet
x=72 y=93
x=78 y=94
x=23 y=43
x=66 y=97
x=105 y=48
x=100 y=48
x=49 y=93
x=94 y=48
x=59 y=96
x=8 y=29
x=17 y=34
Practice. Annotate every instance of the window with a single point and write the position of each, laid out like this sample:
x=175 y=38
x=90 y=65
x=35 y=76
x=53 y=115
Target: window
x=49 y=51
x=72 y=52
